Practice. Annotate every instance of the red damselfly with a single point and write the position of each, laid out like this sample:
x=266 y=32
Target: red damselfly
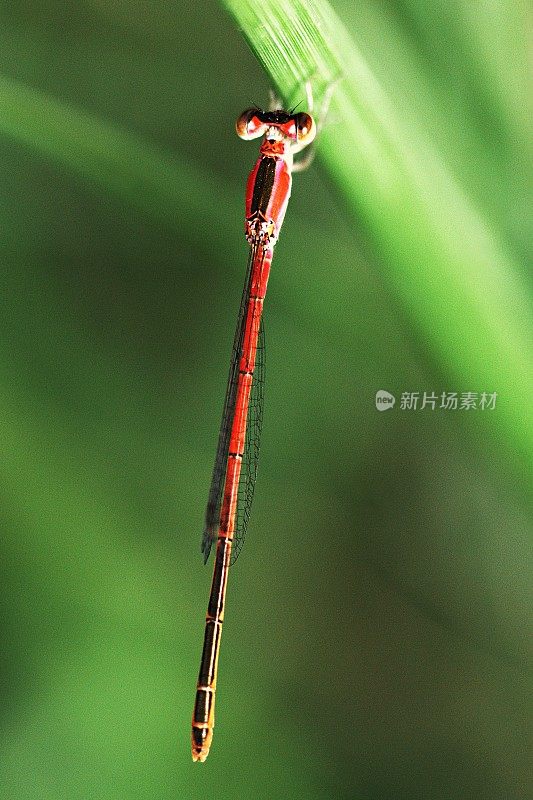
x=232 y=486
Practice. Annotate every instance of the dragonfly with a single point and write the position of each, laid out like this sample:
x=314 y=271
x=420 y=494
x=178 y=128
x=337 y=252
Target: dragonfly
x=284 y=134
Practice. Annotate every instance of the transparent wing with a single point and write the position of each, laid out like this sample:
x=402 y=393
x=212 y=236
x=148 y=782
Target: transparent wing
x=254 y=426
x=214 y=502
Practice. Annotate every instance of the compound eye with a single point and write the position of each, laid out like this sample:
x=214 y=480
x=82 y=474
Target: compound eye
x=306 y=128
x=250 y=125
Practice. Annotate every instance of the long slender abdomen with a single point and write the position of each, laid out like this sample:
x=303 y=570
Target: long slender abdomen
x=203 y=720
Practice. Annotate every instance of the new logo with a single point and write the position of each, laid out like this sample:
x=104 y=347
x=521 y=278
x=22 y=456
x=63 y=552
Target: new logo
x=384 y=400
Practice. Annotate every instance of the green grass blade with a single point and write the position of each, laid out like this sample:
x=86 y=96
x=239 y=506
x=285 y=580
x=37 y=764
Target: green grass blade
x=451 y=269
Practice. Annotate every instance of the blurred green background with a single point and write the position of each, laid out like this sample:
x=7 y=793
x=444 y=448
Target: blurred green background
x=378 y=636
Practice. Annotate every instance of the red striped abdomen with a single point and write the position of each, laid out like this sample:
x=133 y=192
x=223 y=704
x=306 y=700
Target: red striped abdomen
x=204 y=708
